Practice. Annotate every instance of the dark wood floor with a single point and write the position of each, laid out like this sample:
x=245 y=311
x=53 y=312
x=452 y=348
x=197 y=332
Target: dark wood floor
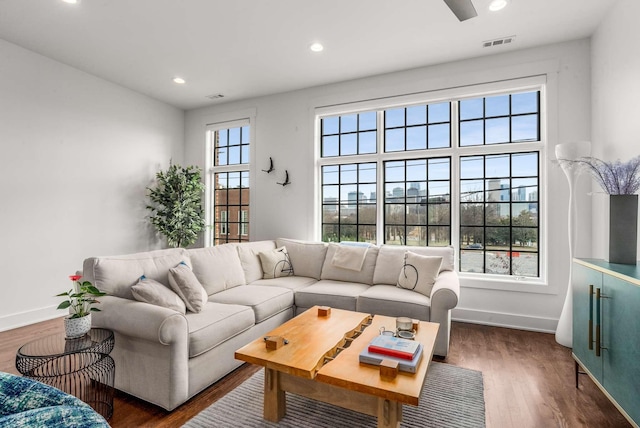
x=528 y=380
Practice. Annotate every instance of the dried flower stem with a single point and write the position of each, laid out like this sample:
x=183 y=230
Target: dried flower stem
x=615 y=178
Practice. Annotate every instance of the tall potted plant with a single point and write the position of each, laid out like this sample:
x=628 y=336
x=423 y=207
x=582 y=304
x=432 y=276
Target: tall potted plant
x=176 y=204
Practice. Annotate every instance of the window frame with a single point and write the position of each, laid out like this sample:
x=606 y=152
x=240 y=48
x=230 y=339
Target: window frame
x=539 y=82
x=212 y=170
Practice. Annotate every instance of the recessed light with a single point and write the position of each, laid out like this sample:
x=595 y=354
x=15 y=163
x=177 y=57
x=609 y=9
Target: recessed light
x=316 y=47
x=71 y=1
x=179 y=80
x=497 y=5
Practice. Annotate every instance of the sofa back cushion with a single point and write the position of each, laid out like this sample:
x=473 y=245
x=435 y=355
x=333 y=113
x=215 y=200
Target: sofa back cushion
x=363 y=276
x=217 y=268
x=248 y=253
x=306 y=257
x=115 y=275
x=391 y=259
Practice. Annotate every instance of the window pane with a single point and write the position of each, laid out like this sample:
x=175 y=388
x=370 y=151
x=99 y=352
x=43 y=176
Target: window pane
x=348 y=144
x=394 y=171
x=417 y=115
x=439 y=214
x=525 y=128
x=349 y=123
x=439 y=191
x=471 y=190
x=525 y=214
x=394 y=140
x=439 y=136
x=393 y=118
x=234 y=136
x=471 y=109
x=367 y=142
x=234 y=155
x=245 y=135
x=349 y=173
x=330 y=174
x=367 y=234
x=524 y=103
x=471 y=214
x=367 y=172
x=472 y=167
x=525 y=164
x=245 y=154
x=330 y=125
x=497 y=106
x=330 y=146
x=497 y=130
x=330 y=233
x=417 y=138
x=416 y=235
x=497 y=166
x=394 y=214
x=439 y=112
x=497 y=214
x=471 y=133
x=524 y=189
x=472 y=261
x=472 y=237
x=525 y=264
x=221 y=156
x=439 y=169
x=330 y=194
x=367 y=121
x=498 y=190
x=417 y=170
x=498 y=262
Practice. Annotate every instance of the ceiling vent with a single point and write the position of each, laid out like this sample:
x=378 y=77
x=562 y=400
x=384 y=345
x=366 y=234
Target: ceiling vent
x=498 y=42
x=215 y=96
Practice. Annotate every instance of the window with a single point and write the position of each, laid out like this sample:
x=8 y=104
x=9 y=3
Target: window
x=463 y=170
x=228 y=182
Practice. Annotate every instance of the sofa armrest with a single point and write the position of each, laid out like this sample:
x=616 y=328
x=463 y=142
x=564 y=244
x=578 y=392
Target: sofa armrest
x=141 y=320
x=446 y=291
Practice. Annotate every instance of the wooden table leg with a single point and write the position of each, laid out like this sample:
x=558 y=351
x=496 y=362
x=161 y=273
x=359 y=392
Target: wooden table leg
x=275 y=403
x=389 y=413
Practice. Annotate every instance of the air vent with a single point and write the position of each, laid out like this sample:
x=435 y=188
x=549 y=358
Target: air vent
x=215 y=96
x=498 y=42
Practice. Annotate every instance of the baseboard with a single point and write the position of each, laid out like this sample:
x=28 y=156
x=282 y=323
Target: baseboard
x=501 y=319
x=9 y=322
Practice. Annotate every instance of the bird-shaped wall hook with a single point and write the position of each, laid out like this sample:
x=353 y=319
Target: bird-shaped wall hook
x=286 y=179
x=271 y=168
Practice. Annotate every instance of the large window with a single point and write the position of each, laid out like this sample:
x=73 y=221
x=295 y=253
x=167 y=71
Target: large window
x=462 y=171
x=229 y=183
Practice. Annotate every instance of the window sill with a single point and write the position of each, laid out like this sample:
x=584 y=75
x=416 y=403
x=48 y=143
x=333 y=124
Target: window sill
x=509 y=283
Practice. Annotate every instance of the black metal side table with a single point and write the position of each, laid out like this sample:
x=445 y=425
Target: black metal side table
x=81 y=367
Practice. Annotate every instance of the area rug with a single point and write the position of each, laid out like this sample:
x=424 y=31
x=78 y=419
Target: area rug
x=451 y=398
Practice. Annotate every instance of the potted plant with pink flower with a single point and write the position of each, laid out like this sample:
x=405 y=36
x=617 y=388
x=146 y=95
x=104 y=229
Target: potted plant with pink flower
x=80 y=303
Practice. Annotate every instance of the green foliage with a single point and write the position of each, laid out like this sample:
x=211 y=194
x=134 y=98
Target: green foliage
x=81 y=299
x=177 y=205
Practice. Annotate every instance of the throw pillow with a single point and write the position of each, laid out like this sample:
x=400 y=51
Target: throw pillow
x=151 y=291
x=275 y=263
x=419 y=273
x=185 y=284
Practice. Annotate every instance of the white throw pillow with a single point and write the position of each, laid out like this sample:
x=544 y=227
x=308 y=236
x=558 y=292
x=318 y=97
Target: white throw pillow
x=419 y=273
x=185 y=284
x=151 y=291
x=275 y=263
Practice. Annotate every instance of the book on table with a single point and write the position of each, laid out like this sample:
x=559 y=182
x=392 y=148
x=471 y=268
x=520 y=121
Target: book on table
x=404 y=365
x=394 y=347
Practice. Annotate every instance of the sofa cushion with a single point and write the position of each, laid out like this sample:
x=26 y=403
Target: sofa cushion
x=116 y=274
x=306 y=257
x=265 y=301
x=419 y=273
x=275 y=263
x=151 y=291
x=394 y=301
x=290 y=282
x=391 y=259
x=217 y=268
x=215 y=324
x=364 y=276
x=335 y=294
x=185 y=284
x=248 y=253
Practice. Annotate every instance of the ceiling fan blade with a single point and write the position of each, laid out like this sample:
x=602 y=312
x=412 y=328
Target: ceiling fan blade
x=463 y=9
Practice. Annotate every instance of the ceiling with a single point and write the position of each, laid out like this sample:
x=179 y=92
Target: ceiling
x=249 y=48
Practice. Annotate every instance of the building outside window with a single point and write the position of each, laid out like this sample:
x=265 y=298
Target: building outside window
x=228 y=182
x=462 y=171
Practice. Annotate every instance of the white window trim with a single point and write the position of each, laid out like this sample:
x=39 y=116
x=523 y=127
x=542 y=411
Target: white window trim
x=545 y=82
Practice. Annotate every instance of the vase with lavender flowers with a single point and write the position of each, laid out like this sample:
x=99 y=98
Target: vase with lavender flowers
x=621 y=180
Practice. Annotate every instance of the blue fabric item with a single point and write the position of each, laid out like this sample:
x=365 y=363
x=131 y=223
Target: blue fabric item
x=27 y=403
x=355 y=244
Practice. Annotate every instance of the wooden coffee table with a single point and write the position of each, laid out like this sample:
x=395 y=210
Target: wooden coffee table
x=321 y=362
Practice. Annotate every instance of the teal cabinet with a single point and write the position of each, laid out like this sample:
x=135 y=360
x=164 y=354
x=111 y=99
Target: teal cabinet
x=606 y=329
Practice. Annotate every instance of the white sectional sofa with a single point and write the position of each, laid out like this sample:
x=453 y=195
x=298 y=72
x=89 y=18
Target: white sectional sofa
x=166 y=356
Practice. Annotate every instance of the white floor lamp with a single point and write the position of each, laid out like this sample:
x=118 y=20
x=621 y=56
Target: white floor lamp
x=570 y=151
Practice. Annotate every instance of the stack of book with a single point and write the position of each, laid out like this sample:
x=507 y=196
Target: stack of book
x=407 y=353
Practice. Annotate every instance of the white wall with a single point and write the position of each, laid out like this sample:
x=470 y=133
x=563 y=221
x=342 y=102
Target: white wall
x=284 y=130
x=616 y=92
x=76 y=155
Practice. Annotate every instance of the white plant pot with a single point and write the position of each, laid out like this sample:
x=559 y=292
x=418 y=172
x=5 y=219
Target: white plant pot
x=77 y=327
